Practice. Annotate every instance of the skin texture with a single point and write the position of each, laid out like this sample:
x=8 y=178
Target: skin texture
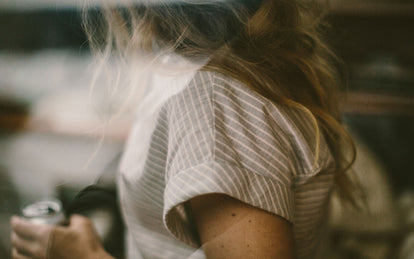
x=77 y=240
x=229 y=228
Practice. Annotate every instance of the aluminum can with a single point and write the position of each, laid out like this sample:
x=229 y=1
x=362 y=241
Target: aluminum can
x=45 y=212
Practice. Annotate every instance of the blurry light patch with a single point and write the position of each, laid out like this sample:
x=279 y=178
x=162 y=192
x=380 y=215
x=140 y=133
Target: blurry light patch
x=27 y=5
x=30 y=5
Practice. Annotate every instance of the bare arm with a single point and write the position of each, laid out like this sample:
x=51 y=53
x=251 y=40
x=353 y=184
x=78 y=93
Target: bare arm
x=229 y=228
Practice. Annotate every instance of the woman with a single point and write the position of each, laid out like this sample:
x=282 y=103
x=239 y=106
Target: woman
x=237 y=144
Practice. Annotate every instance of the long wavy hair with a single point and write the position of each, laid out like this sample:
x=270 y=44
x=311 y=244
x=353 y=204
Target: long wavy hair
x=275 y=47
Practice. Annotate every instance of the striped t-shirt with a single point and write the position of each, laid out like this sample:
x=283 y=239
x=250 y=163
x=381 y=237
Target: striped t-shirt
x=215 y=135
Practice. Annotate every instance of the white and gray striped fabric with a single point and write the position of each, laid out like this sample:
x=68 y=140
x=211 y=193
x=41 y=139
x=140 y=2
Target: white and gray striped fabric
x=215 y=135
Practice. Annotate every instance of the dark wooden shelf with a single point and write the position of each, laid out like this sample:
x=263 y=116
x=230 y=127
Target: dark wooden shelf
x=369 y=103
x=354 y=7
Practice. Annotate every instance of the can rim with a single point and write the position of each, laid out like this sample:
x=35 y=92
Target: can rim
x=42 y=208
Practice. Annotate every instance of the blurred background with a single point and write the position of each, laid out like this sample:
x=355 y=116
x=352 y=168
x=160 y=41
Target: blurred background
x=55 y=140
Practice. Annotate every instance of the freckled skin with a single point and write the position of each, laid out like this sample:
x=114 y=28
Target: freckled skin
x=229 y=228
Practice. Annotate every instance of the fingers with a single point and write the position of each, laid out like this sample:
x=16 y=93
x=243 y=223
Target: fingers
x=28 y=239
x=28 y=248
x=27 y=229
x=17 y=255
x=23 y=246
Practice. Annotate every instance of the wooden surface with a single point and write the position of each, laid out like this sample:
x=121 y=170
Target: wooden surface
x=371 y=7
x=378 y=103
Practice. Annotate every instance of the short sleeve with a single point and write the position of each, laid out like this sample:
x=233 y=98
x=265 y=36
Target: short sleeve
x=225 y=138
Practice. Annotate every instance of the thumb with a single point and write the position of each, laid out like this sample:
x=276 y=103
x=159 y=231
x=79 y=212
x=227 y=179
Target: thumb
x=78 y=222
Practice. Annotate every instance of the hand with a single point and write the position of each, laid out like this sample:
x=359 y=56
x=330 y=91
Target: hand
x=78 y=240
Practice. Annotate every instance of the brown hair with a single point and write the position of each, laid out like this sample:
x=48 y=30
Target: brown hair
x=275 y=47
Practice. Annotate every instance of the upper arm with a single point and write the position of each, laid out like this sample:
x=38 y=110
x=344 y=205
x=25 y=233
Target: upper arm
x=229 y=228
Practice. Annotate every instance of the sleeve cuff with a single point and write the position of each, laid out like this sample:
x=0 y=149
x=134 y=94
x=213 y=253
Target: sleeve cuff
x=216 y=177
